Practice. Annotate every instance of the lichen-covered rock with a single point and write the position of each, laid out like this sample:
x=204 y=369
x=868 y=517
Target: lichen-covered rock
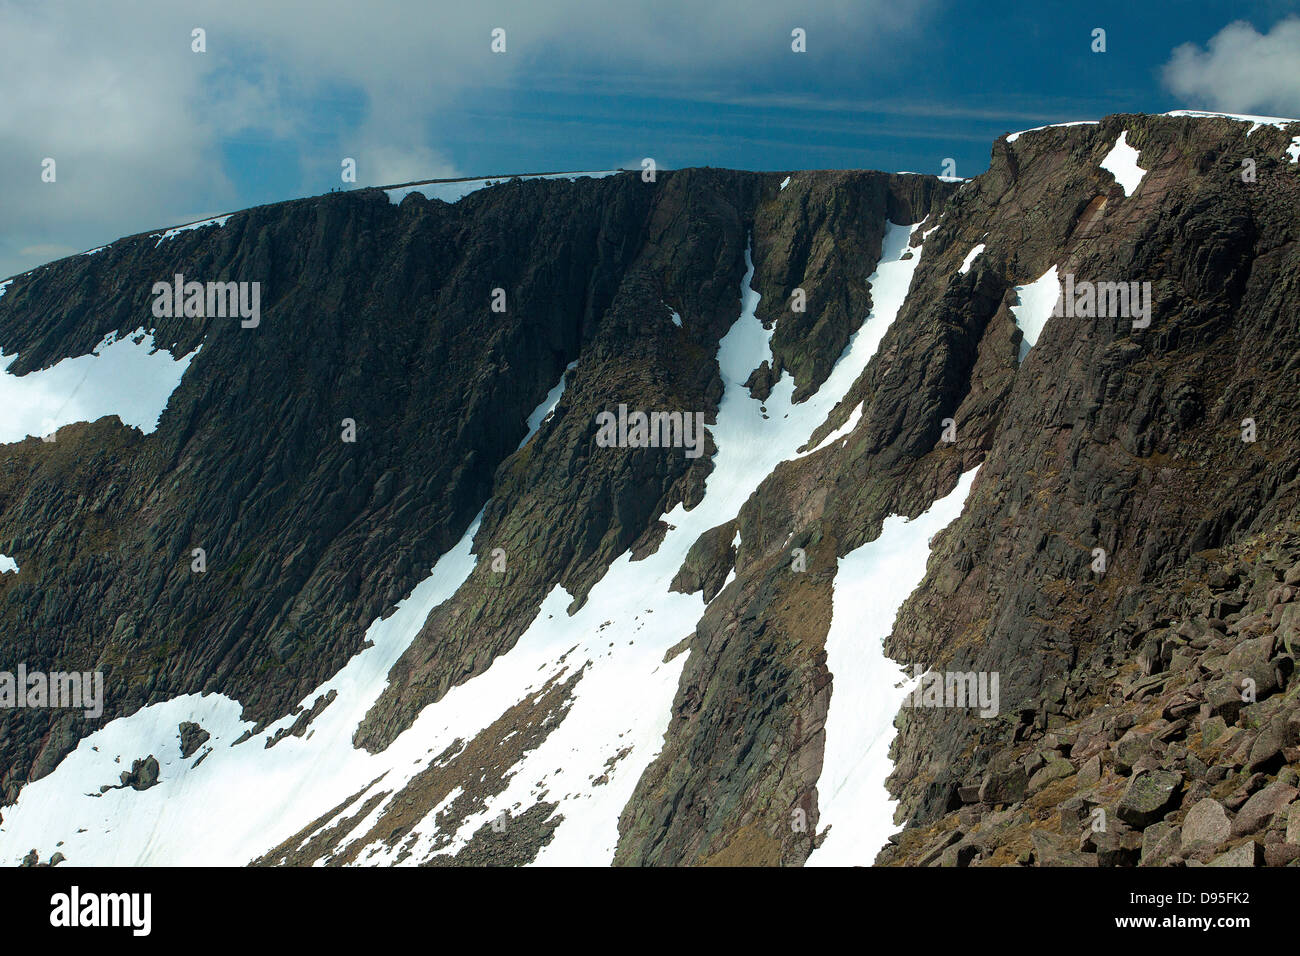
x=1244 y=854
x=1149 y=797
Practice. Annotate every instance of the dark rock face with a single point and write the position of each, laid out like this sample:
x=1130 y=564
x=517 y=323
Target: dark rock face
x=142 y=775
x=381 y=315
x=1106 y=437
x=1123 y=736
x=565 y=530
x=192 y=738
x=370 y=312
x=1092 y=449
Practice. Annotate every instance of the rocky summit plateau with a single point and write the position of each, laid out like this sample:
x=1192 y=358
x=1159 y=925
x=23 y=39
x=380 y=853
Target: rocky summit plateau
x=702 y=517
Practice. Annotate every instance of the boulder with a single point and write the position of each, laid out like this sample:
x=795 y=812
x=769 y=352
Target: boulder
x=1131 y=748
x=1257 y=812
x=1245 y=854
x=1207 y=822
x=1149 y=797
x=1053 y=850
x=1004 y=786
x=1055 y=770
x=192 y=737
x=1160 y=842
x=1281 y=854
x=142 y=775
x=1267 y=749
x=1090 y=772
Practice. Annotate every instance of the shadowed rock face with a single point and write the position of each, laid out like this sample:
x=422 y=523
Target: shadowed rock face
x=1106 y=436
x=380 y=314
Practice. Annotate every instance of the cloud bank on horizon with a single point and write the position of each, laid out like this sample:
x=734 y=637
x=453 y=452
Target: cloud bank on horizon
x=147 y=132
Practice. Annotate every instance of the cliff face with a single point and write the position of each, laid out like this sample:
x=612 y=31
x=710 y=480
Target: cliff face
x=1105 y=436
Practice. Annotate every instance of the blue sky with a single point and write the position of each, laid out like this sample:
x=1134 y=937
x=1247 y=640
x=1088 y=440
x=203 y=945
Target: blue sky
x=147 y=132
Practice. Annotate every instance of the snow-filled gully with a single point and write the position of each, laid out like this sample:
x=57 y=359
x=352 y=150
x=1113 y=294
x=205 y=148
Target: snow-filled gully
x=240 y=801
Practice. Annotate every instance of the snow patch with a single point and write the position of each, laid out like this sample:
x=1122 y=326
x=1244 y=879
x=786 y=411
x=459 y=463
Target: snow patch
x=1294 y=149
x=543 y=411
x=130 y=378
x=8 y=564
x=240 y=801
x=1255 y=121
x=867 y=688
x=1122 y=163
x=1034 y=306
x=457 y=190
x=1012 y=137
x=173 y=233
x=842 y=432
x=785 y=182
x=970 y=257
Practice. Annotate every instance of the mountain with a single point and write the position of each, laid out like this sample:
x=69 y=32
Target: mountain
x=577 y=518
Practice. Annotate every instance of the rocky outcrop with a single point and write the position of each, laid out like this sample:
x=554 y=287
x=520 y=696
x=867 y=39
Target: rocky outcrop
x=192 y=738
x=550 y=529
x=1106 y=437
x=1126 y=562
x=1186 y=758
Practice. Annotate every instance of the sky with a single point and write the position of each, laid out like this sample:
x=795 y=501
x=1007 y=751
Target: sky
x=145 y=131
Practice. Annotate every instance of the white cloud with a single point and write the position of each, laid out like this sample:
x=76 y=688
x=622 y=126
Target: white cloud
x=137 y=121
x=1241 y=70
x=47 y=250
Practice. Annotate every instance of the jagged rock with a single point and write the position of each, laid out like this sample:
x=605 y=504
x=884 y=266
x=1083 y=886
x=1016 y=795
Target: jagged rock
x=142 y=775
x=1212 y=730
x=1281 y=854
x=1149 y=797
x=192 y=738
x=1076 y=812
x=1223 y=698
x=937 y=848
x=1090 y=772
x=1160 y=843
x=1288 y=628
x=962 y=854
x=708 y=562
x=1267 y=747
